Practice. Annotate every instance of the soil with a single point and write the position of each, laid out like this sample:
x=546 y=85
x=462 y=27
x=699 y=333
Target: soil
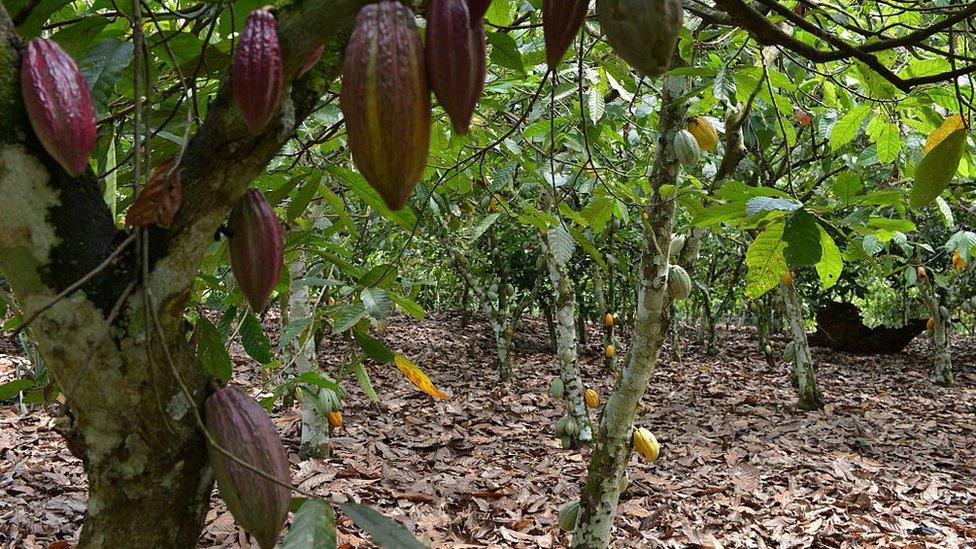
x=889 y=462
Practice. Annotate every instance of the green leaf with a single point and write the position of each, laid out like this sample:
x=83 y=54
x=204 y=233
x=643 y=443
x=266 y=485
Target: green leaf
x=212 y=351
x=802 y=236
x=831 y=261
x=314 y=527
x=366 y=384
x=847 y=186
x=946 y=212
x=483 y=226
x=598 y=213
x=561 y=243
x=302 y=199
x=767 y=204
x=11 y=389
x=292 y=330
x=596 y=104
x=377 y=302
x=846 y=129
x=357 y=183
x=722 y=213
x=385 y=532
x=348 y=316
x=937 y=169
x=255 y=343
x=102 y=68
x=765 y=261
x=374 y=348
x=505 y=52
x=886 y=136
x=409 y=306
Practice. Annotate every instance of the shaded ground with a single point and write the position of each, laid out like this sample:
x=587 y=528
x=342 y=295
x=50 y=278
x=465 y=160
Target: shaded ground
x=890 y=462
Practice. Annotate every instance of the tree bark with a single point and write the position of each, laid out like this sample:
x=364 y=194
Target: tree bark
x=119 y=347
x=804 y=376
x=613 y=444
x=566 y=351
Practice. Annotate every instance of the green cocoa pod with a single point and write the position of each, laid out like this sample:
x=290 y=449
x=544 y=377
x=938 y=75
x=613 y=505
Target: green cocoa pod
x=557 y=389
x=568 y=516
x=944 y=312
x=679 y=283
x=566 y=442
x=768 y=350
x=686 y=148
x=643 y=33
x=571 y=427
x=561 y=426
x=789 y=353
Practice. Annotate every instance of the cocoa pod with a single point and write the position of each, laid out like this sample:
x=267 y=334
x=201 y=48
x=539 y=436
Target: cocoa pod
x=255 y=247
x=704 y=132
x=386 y=100
x=686 y=148
x=557 y=388
x=610 y=351
x=568 y=515
x=679 y=283
x=592 y=398
x=608 y=320
x=646 y=444
x=456 y=59
x=561 y=22
x=643 y=33
x=786 y=278
x=335 y=420
x=58 y=104
x=242 y=427
x=257 y=72
x=478 y=9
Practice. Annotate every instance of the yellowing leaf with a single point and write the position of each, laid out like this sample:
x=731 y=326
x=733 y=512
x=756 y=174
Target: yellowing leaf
x=951 y=124
x=416 y=376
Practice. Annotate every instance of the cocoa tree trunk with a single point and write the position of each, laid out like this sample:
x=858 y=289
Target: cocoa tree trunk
x=613 y=444
x=565 y=324
x=315 y=442
x=941 y=356
x=610 y=364
x=118 y=346
x=804 y=378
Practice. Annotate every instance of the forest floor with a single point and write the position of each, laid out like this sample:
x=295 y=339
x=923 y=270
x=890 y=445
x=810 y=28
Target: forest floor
x=890 y=462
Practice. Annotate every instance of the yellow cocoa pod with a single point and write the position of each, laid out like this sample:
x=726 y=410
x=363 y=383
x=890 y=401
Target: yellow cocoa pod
x=787 y=278
x=335 y=420
x=704 y=132
x=646 y=445
x=608 y=320
x=930 y=325
x=592 y=398
x=958 y=262
x=920 y=271
x=611 y=351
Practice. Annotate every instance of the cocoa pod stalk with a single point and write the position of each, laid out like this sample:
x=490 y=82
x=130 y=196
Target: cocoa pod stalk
x=255 y=247
x=456 y=59
x=643 y=33
x=561 y=21
x=478 y=9
x=385 y=99
x=242 y=427
x=58 y=104
x=257 y=72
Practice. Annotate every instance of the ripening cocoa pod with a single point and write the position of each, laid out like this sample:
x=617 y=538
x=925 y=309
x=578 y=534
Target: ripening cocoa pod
x=920 y=273
x=643 y=33
x=561 y=22
x=386 y=100
x=608 y=320
x=930 y=324
x=679 y=283
x=456 y=59
x=704 y=132
x=242 y=427
x=686 y=148
x=59 y=104
x=610 y=351
x=257 y=72
x=646 y=444
x=335 y=420
x=592 y=398
x=256 y=248
x=787 y=278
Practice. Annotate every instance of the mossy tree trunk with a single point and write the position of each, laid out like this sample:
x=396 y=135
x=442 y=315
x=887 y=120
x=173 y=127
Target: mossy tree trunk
x=612 y=445
x=804 y=377
x=119 y=347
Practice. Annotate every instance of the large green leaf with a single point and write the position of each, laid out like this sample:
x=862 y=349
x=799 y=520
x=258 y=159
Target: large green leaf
x=937 y=168
x=765 y=261
x=802 y=236
x=255 y=342
x=314 y=527
x=831 y=261
x=845 y=130
x=212 y=351
x=102 y=67
x=386 y=532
